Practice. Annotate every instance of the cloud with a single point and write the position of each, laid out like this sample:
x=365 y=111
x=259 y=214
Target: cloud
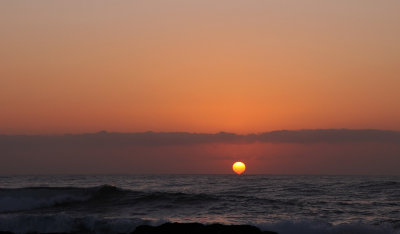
x=329 y=136
x=184 y=138
x=332 y=151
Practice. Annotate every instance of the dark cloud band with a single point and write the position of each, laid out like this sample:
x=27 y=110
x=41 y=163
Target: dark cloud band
x=185 y=138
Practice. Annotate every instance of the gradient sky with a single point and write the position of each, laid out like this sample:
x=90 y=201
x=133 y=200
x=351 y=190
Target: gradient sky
x=198 y=66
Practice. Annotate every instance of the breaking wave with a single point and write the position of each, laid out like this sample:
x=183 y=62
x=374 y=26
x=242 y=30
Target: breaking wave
x=62 y=223
x=23 y=199
x=319 y=227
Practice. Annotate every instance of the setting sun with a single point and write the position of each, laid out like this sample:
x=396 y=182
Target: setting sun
x=145 y=104
x=239 y=167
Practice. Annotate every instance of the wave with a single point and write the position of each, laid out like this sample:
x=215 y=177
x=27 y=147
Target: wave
x=379 y=184
x=38 y=197
x=62 y=223
x=318 y=227
x=23 y=199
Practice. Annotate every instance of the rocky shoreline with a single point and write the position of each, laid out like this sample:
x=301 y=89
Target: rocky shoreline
x=198 y=228
x=184 y=228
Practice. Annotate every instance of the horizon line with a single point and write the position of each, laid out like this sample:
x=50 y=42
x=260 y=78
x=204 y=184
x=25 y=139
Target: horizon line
x=210 y=133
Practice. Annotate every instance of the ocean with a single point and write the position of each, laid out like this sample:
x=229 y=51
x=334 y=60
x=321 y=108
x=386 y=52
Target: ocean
x=119 y=203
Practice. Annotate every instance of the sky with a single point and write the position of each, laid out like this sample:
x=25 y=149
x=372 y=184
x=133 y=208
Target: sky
x=199 y=67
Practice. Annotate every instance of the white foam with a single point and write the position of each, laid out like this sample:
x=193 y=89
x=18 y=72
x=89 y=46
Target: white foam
x=61 y=222
x=319 y=227
x=26 y=202
x=65 y=223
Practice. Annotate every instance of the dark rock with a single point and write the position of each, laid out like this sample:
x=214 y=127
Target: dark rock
x=173 y=228
x=197 y=228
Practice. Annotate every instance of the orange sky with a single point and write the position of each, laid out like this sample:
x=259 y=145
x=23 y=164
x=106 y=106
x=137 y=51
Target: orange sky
x=202 y=66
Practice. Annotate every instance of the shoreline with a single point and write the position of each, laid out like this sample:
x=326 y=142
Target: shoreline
x=179 y=228
x=199 y=228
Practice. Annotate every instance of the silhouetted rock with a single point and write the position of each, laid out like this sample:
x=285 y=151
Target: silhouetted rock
x=197 y=228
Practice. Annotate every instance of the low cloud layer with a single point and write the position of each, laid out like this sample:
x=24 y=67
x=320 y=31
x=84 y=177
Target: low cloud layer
x=329 y=151
x=185 y=138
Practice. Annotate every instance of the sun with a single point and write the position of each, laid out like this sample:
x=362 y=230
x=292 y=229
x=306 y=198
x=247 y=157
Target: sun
x=239 y=167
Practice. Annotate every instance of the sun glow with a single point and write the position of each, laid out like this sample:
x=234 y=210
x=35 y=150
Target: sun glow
x=239 y=167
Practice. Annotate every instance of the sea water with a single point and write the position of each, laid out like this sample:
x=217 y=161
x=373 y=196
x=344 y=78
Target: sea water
x=119 y=203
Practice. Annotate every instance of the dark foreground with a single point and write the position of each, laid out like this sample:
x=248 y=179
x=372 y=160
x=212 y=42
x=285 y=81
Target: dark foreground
x=193 y=228
x=197 y=228
x=103 y=204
